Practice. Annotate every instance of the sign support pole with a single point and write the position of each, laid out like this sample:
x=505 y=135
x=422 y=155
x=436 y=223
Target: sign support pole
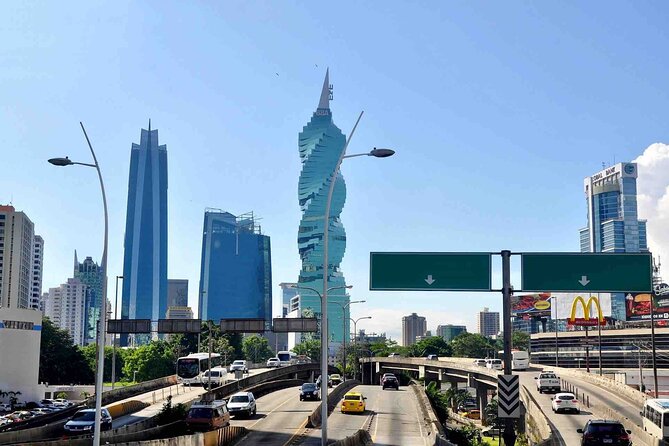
x=509 y=433
x=652 y=339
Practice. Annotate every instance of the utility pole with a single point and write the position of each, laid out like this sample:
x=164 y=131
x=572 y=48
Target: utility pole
x=509 y=433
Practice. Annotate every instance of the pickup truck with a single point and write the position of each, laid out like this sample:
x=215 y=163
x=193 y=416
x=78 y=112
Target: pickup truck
x=547 y=381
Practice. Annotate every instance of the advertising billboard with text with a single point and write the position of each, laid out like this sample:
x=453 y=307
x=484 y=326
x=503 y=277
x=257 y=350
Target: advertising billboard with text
x=531 y=305
x=637 y=306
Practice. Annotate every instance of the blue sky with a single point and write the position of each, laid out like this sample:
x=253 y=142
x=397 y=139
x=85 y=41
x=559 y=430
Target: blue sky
x=497 y=112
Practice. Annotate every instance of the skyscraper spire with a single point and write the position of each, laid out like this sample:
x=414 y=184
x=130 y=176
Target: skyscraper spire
x=149 y=124
x=325 y=93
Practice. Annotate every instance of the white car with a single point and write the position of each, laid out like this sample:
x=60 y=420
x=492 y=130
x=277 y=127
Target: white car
x=5 y=407
x=494 y=364
x=273 y=362
x=479 y=362
x=565 y=402
x=242 y=404
x=239 y=364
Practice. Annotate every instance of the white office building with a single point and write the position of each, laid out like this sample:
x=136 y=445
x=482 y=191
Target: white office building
x=36 y=288
x=66 y=307
x=17 y=235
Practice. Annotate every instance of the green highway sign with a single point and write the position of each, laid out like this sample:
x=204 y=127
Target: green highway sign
x=429 y=271
x=594 y=272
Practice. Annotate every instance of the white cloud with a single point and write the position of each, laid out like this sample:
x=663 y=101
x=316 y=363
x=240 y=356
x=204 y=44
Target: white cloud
x=653 y=197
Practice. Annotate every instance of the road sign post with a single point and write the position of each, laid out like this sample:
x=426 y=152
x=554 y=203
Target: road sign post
x=508 y=397
x=509 y=432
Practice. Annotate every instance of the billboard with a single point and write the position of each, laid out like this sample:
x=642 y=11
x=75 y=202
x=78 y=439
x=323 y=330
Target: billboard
x=563 y=303
x=590 y=317
x=531 y=305
x=637 y=306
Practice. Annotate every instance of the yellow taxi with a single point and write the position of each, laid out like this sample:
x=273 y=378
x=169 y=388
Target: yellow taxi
x=353 y=402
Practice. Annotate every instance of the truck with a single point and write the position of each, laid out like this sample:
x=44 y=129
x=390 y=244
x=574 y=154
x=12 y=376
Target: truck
x=547 y=381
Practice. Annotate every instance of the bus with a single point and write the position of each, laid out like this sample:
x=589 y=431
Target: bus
x=191 y=368
x=656 y=417
x=286 y=358
x=520 y=359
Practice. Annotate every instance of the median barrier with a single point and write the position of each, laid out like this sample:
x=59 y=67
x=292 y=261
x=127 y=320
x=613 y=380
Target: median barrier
x=360 y=438
x=264 y=388
x=434 y=426
x=119 y=409
x=337 y=394
x=121 y=393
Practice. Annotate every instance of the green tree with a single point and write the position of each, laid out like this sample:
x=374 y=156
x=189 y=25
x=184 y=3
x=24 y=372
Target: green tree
x=310 y=348
x=520 y=340
x=472 y=345
x=455 y=397
x=438 y=400
x=491 y=413
x=61 y=362
x=233 y=340
x=90 y=353
x=434 y=345
x=153 y=360
x=256 y=349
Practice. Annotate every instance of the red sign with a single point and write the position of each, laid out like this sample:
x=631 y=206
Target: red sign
x=581 y=322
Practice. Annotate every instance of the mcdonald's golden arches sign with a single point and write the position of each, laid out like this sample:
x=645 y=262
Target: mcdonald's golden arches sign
x=586 y=320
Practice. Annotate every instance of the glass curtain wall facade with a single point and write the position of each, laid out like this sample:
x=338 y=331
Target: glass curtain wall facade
x=613 y=223
x=90 y=274
x=320 y=145
x=236 y=268
x=145 y=247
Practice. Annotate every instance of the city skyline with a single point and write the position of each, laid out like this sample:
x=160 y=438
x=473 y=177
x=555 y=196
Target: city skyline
x=477 y=130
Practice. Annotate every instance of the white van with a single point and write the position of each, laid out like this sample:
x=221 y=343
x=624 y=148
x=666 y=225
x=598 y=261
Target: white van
x=218 y=376
x=494 y=364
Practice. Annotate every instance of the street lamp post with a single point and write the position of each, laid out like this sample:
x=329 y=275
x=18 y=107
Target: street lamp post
x=103 y=304
x=114 y=341
x=355 y=342
x=344 y=319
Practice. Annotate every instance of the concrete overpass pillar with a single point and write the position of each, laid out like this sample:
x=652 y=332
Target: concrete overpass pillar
x=421 y=371
x=482 y=399
x=442 y=375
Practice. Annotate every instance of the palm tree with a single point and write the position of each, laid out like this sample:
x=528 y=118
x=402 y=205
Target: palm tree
x=456 y=397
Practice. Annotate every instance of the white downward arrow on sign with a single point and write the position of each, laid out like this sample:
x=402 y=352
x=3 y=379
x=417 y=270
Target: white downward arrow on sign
x=430 y=280
x=584 y=280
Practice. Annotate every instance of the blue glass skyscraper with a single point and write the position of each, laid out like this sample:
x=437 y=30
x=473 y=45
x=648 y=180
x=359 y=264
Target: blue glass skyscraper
x=320 y=145
x=145 y=247
x=236 y=268
x=613 y=221
x=90 y=274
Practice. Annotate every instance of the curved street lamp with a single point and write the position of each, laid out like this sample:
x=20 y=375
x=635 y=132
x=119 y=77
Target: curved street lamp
x=343 y=309
x=102 y=324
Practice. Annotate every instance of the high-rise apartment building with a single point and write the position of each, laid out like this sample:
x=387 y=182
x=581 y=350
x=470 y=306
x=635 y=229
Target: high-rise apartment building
x=177 y=293
x=66 y=307
x=613 y=221
x=175 y=312
x=487 y=322
x=288 y=291
x=413 y=326
x=36 y=287
x=145 y=247
x=448 y=331
x=90 y=274
x=17 y=246
x=236 y=268
x=320 y=146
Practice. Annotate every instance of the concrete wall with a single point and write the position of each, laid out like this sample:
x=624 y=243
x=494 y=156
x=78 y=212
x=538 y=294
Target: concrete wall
x=537 y=428
x=360 y=438
x=20 y=332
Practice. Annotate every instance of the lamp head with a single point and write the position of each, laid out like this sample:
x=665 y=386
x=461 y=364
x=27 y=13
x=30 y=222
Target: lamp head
x=61 y=161
x=381 y=153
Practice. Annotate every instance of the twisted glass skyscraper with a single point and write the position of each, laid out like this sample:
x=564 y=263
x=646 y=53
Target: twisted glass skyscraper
x=145 y=246
x=320 y=145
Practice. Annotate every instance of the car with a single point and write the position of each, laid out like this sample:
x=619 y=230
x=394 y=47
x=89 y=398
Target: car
x=273 y=362
x=239 y=364
x=473 y=414
x=207 y=415
x=394 y=355
x=20 y=415
x=242 y=404
x=310 y=391
x=479 y=362
x=604 y=432
x=66 y=403
x=45 y=403
x=218 y=375
x=353 y=402
x=84 y=421
x=5 y=407
x=565 y=402
x=432 y=357
x=336 y=379
x=40 y=411
x=390 y=380
x=318 y=382
x=468 y=405
x=493 y=364
x=548 y=381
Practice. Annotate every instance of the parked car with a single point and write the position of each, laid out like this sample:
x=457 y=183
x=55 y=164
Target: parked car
x=608 y=432
x=494 y=364
x=218 y=376
x=40 y=411
x=473 y=414
x=242 y=404
x=432 y=357
x=207 y=415
x=45 y=403
x=547 y=381
x=273 y=362
x=565 y=402
x=353 y=402
x=394 y=355
x=390 y=380
x=479 y=362
x=336 y=379
x=310 y=391
x=240 y=364
x=84 y=421
x=66 y=403
x=5 y=407
x=468 y=405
